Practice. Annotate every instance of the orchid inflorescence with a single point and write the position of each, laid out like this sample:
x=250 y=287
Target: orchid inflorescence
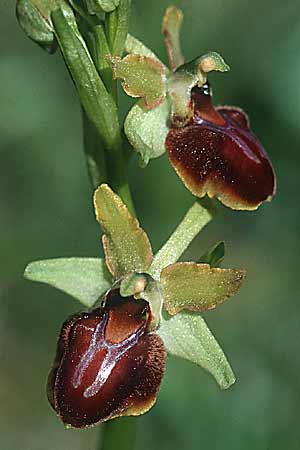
x=110 y=358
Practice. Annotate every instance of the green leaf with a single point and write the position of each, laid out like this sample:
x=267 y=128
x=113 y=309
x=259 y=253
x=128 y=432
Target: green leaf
x=126 y=245
x=171 y=26
x=147 y=130
x=86 y=279
x=193 y=222
x=34 y=18
x=133 y=45
x=98 y=6
x=187 y=336
x=197 y=287
x=214 y=256
x=141 y=77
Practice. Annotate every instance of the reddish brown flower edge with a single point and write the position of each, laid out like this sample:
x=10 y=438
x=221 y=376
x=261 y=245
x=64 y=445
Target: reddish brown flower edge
x=107 y=363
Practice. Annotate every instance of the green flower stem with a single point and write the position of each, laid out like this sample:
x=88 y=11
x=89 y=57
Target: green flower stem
x=118 y=434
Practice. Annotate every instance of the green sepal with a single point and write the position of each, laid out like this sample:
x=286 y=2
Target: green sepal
x=214 y=256
x=146 y=130
x=85 y=279
x=134 y=45
x=198 y=287
x=98 y=6
x=193 y=222
x=126 y=245
x=187 y=336
x=34 y=18
x=141 y=77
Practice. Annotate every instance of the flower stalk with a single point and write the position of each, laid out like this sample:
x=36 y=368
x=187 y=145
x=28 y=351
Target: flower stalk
x=118 y=434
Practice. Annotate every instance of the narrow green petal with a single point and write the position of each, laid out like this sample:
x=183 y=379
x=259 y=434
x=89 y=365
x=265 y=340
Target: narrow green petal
x=86 y=279
x=126 y=245
x=193 y=222
x=187 y=336
x=198 y=287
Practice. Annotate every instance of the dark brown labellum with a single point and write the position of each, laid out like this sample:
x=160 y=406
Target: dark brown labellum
x=107 y=363
x=217 y=154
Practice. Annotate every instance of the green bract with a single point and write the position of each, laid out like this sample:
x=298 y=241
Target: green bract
x=98 y=104
x=160 y=281
x=214 y=256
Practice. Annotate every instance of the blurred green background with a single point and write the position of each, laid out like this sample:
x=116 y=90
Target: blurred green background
x=46 y=211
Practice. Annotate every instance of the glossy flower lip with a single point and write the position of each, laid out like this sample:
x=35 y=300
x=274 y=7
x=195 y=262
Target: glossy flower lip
x=107 y=363
x=217 y=154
